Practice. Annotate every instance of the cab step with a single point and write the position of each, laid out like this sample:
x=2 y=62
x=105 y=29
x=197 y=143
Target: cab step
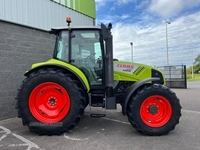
x=97 y=115
x=98 y=105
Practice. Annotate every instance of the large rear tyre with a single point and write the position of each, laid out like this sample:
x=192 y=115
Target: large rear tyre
x=50 y=101
x=154 y=110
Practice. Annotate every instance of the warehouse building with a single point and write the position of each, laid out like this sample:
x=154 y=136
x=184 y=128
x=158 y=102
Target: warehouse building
x=24 y=39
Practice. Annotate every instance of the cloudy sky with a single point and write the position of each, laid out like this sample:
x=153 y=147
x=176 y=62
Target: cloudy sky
x=143 y=22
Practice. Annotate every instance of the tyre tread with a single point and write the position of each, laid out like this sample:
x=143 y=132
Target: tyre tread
x=69 y=78
x=132 y=101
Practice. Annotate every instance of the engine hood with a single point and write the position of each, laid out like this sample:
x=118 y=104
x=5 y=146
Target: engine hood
x=130 y=71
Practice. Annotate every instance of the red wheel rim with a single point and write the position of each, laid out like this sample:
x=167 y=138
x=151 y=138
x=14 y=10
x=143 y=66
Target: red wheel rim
x=49 y=102
x=155 y=111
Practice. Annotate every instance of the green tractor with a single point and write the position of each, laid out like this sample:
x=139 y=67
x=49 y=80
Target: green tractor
x=82 y=72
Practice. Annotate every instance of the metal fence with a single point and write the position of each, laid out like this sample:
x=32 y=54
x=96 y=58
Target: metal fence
x=175 y=76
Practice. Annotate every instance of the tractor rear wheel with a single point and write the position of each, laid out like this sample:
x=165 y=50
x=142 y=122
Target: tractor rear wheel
x=50 y=101
x=154 y=110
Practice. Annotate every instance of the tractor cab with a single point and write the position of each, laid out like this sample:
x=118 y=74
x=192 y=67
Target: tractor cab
x=83 y=48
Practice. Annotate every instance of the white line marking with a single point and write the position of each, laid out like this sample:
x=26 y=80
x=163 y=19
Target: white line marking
x=27 y=142
x=3 y=136
x=191 y=111
x=75 y=139
x=30 y=144
x=5 y=131
x=17 y=145
x=115 y=120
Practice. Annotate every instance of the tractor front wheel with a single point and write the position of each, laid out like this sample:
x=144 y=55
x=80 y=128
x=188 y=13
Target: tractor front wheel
x=154 y=110
x=50 y=101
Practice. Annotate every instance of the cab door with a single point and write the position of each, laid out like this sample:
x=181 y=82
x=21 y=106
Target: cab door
x=86 y=54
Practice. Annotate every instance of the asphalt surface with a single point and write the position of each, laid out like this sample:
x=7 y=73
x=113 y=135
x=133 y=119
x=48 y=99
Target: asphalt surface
x=112 y=132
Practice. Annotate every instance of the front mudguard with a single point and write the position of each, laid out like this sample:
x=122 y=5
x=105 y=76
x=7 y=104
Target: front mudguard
x=132 y=89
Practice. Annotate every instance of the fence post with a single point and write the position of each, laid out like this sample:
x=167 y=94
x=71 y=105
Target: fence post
x=170 y=76
x=185 y=74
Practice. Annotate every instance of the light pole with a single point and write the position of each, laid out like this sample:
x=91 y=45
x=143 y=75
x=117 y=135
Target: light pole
x=167 y=22
x=192 y=64
x=131 y=51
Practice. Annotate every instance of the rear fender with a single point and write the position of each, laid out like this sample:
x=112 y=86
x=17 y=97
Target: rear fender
x=132 y=89
x=76 y=72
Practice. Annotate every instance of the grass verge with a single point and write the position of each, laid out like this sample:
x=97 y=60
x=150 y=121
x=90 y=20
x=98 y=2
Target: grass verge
x=195 y=77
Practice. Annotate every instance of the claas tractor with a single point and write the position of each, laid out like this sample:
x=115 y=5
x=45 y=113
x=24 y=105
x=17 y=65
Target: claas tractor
x=54 y=95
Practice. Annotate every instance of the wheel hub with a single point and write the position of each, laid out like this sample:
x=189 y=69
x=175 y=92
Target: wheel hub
x=52 y=101
x=153 y=109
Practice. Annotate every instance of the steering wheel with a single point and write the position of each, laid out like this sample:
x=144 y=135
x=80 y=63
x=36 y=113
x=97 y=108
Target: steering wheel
x=89 y=58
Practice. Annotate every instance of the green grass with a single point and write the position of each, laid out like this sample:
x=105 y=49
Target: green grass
x=195 y=78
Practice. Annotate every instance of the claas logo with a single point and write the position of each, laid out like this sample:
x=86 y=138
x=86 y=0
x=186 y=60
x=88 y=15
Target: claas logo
x=125 y=66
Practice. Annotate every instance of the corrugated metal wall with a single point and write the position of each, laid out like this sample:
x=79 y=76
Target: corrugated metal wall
x=41 y=14
x=87 y=7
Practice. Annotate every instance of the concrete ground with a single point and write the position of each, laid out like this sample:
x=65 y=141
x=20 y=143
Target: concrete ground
x=112 y=132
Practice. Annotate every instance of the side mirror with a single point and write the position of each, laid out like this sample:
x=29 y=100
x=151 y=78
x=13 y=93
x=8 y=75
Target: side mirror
x=106 y=31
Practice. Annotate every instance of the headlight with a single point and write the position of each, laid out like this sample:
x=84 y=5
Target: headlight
x=156 y=73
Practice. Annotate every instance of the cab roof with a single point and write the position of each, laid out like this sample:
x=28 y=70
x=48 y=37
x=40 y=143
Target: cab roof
x=75 y=27
x=55 y=30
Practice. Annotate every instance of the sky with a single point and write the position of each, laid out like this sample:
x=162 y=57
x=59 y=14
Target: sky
x=143 y=22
